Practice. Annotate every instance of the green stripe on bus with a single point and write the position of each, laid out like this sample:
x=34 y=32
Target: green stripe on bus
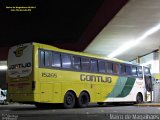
x=122 y=87
x=118 y=87
x=128 y=87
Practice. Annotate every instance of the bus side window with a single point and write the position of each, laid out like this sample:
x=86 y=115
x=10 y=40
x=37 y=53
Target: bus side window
x=101 y=66
x=128 y=70
x=115 y=68
x=134 y=70
x=66 y=61
x=41 y=58
x=140 y=71
x=45 y=58
x=76 y=63
x=147 y=71
x=94 y=66
x=56 y=61
x=109 y=67
x=122 y=69
x=85 y=62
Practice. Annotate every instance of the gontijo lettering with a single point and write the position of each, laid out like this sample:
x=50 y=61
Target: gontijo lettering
x=21 y=65
x=94 y=78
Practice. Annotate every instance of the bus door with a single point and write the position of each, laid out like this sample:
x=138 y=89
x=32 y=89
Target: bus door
x=148 y=79
x=148 y=84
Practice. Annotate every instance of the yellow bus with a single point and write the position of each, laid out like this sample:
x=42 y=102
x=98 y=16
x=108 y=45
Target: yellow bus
x=39 y=73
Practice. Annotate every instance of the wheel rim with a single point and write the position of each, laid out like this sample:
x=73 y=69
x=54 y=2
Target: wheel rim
x=69 y=100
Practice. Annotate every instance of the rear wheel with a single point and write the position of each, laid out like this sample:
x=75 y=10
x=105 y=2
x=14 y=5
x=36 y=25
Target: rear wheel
x=139 y=98
x=40 y=105
x=83 y=100
x=69 y=100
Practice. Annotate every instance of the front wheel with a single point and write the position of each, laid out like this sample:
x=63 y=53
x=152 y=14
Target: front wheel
x=83 y=100
x=100 y=103
x=69 y=100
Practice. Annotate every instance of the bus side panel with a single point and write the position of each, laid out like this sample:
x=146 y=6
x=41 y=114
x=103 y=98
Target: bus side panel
x=126 y=90
x=50 y=85
x=92 y=83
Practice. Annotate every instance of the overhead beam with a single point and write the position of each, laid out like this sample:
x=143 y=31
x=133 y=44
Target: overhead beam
x=104 y=15
x=4 y=53
x=159 y=58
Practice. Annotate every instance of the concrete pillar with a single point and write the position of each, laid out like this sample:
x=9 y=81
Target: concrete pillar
x=138 y=59
x=159 y=59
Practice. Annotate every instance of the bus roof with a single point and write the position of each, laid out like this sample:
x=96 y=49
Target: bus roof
x=50 y=47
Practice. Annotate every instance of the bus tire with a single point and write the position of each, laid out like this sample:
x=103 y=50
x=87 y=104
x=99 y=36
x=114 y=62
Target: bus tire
x=139 y=98
x=69 y=100
x=83 y=100
x=100 y=103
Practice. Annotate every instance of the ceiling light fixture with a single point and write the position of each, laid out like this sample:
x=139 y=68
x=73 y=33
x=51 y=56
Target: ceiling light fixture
x=3 y=67
x=130 y=44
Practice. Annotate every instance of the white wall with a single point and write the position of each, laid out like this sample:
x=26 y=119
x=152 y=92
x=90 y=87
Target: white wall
x=151 y=60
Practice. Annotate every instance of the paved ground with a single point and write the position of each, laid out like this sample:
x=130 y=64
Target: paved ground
x=149 y=105
x=93 y=112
